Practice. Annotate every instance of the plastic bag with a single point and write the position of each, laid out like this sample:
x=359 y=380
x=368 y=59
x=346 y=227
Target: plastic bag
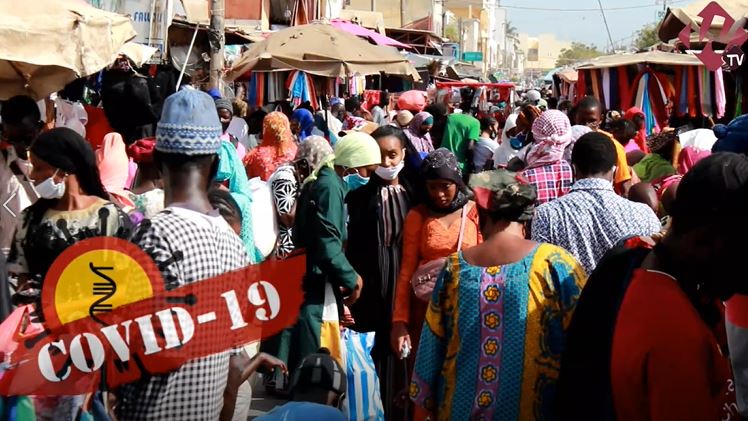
x=264 y=217
x=364 y=400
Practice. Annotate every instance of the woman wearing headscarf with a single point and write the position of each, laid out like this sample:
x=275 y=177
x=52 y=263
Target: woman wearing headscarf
x=431 y=231
x=375 y=232
x=658 y=163
x=418 y=133
x=320 y=227
x=231 y=173
x=114 y=166
x=286 y=182
x=314 y=152
x=277 y=147
x=73 y=206
x=498 y=312
x=545 y=166
x=147 y=193
x=460 y=133
x=505 y=152
x=636 y=116
x=520 y=142
x=302 y=124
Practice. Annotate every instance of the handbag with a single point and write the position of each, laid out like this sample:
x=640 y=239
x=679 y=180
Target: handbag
x=424 y=278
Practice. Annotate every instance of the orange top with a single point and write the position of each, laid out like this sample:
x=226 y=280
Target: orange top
x=426 y=238
x=623 y=172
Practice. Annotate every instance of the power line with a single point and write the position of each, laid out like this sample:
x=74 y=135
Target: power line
x=610 y=37
x=610 y=9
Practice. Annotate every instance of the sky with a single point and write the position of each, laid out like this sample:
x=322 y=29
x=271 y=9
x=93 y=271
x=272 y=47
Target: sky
x=585 y=26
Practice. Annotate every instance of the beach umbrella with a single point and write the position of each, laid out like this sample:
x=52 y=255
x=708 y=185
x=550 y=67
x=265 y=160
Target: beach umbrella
x=46 y=44
x=324 y=50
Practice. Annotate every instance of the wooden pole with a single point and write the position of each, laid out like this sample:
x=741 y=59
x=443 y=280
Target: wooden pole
x=217 y=38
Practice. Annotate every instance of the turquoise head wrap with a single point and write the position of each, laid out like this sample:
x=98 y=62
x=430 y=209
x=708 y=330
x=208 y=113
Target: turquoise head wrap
x=231 y=169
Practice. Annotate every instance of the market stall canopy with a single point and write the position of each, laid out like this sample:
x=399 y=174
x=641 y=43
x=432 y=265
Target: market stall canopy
x=677 y=18
x=323 y=50
x=568 y=75
x=362 y=32
x=138 y=53
x=650 y=57
x=46 y=44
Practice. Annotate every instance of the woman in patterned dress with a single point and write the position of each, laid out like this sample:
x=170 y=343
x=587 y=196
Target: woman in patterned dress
x=494 y=331
x=284 y=183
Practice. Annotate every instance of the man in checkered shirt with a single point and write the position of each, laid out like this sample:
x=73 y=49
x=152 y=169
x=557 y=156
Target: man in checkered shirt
x=189 y=242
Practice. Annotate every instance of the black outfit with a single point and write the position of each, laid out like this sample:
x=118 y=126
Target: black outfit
x=378 y=265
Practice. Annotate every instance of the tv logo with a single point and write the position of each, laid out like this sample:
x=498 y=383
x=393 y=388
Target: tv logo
x=732 y=35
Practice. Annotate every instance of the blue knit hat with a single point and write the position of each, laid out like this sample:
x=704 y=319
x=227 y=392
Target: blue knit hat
x=189 y=124
x=733 y=137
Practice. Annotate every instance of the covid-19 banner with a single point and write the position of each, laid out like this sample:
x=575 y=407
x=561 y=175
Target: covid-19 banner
x=108 y=319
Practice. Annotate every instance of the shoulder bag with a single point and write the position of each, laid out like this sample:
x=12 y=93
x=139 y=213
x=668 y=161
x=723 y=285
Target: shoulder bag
x=424 y=279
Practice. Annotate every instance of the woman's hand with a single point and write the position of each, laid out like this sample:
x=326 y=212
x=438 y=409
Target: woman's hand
x=400 y=338
x=265 y=361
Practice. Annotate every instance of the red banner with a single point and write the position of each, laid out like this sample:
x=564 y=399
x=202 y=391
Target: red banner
x=148 y=336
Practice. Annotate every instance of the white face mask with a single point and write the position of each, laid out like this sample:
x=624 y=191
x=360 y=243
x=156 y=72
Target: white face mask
x=48 y=189
x=389 y=173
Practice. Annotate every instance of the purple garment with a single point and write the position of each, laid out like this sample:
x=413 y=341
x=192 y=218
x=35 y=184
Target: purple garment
x=422 y=143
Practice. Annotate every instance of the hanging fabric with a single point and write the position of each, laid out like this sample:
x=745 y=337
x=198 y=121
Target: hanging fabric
x=581 y=85
x=719 y=93
x=595 y=84
x=692 y=91
x=614 y=93
x=301 y=89
x=624 y=88
x=606 y=88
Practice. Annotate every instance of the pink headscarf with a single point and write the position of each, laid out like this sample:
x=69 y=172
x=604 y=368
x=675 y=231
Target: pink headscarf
x=688 y=157
x=551 y=133
x=114 y=167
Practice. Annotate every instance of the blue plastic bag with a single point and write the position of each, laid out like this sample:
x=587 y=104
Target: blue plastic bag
x=364 y=400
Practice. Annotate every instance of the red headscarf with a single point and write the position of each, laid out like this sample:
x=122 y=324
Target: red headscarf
x=142 y=150
x=641 y=135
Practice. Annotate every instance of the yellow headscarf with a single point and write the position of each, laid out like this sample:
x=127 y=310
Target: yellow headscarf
x=356 y=150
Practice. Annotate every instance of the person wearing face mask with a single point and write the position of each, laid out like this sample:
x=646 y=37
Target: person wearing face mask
x=486 y=145
x=432 y=231
x=513 y=151
x=319 y=226
x=73 y=206
x=375 y=228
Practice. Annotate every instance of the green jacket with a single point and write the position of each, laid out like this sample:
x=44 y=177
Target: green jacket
x=320 y=228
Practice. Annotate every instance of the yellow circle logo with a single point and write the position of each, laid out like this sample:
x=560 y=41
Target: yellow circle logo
x=100 y=275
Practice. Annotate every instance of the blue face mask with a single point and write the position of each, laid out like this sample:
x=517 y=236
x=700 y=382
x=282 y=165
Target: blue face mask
x=355 y=181
x=517 y=142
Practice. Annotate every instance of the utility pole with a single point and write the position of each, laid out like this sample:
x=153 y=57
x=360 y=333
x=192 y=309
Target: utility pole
x=403 y=10
x=217 y=39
